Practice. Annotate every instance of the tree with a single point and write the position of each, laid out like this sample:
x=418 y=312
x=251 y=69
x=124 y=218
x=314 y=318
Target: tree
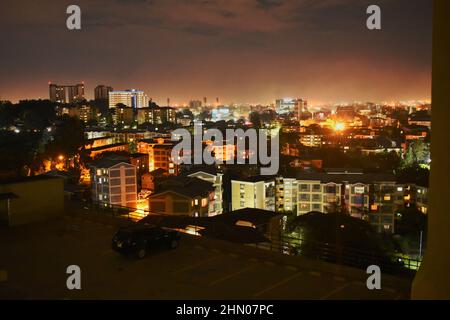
x=417 y=153
x=204 y=115
x=68 y=138
x=255 y=119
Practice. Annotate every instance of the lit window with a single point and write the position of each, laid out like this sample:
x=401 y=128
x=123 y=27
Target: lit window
x=400 y=189
x=387 y=197
x=196 y=202
x=204 y=202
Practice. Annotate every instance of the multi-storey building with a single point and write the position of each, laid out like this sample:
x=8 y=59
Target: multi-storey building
x=286 y=194
x=317 y=194
x=156 y=115
x=160 y=154
x=140 y=161
x=254 y=192
x=214 y=177
x=372 y=197
x=101 y=92
x=84 y=112
x=130 y=98
x=291 y=106
x=66 y=93
x=311 y=140
x=113 y=182
x=124 y=116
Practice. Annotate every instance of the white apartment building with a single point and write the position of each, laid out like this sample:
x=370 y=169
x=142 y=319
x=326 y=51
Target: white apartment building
x=131 y=98
x=254 y=192
x=113 y=182
x=216 y=180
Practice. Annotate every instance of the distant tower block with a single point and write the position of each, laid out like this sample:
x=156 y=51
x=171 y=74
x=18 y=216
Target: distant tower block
x=168 y=102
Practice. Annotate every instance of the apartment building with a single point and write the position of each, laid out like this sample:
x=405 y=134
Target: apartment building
x=311 y=140
x=211 y=175
x=317 y=194
x=286 y=194
x=160 y=154
x=114 y=182
x=254 y=192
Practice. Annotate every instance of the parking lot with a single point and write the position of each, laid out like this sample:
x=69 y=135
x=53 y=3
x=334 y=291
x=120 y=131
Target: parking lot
x=34 y=258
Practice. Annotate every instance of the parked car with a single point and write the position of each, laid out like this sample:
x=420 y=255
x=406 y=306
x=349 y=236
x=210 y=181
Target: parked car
x=140 y=239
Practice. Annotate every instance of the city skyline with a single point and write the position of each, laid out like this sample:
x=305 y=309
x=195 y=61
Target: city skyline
x=239 y=51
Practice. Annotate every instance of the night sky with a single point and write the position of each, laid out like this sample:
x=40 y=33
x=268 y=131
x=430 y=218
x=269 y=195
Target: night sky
x=243 y=51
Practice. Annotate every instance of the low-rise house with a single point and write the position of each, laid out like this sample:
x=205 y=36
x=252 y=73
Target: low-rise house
x=183 y=196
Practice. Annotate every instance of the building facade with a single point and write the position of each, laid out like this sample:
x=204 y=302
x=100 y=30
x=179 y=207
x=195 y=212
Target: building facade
x=114 y=183
x=130 y=98
x=101 y=92
x=66 y=93
x=254 y=192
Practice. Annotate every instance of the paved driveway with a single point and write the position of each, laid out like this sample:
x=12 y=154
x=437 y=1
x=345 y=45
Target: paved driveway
x=34 y=258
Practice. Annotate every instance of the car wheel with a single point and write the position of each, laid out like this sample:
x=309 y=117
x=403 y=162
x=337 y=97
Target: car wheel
x=174 y=244
x=141 y=253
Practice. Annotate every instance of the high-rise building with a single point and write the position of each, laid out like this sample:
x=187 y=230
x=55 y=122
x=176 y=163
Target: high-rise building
x=293 y=106
x=131 y=98
x=195 y=105
x=101 y=92
x=66 y=93
x=156 y=115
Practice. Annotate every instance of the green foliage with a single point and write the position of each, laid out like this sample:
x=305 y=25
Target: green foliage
x=417 y=153
x=255 y=119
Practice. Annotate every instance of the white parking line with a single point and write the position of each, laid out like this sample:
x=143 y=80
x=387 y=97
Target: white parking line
x=231 y=275
x=329 y=294
x=192 y=266
x=279 y=283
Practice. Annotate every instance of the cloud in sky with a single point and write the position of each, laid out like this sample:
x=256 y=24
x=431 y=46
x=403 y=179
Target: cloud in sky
x=238 y=50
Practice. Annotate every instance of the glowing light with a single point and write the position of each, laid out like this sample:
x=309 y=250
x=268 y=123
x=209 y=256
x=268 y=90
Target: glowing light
x=61 y=158
x=339 y=126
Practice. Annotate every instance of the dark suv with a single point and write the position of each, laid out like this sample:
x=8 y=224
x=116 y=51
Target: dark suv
x=138 y=240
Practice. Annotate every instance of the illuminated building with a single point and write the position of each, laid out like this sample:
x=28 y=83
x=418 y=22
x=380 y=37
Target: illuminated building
x=130 y=98
x=209 y=174
x=311 y=140
x=254 y=192
x=160 y=154
x=84 y=113
x=183 y=196
x=124 y=116
x=113 y=182
x=66 y=93
x=156 y=115
x=291 y=106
